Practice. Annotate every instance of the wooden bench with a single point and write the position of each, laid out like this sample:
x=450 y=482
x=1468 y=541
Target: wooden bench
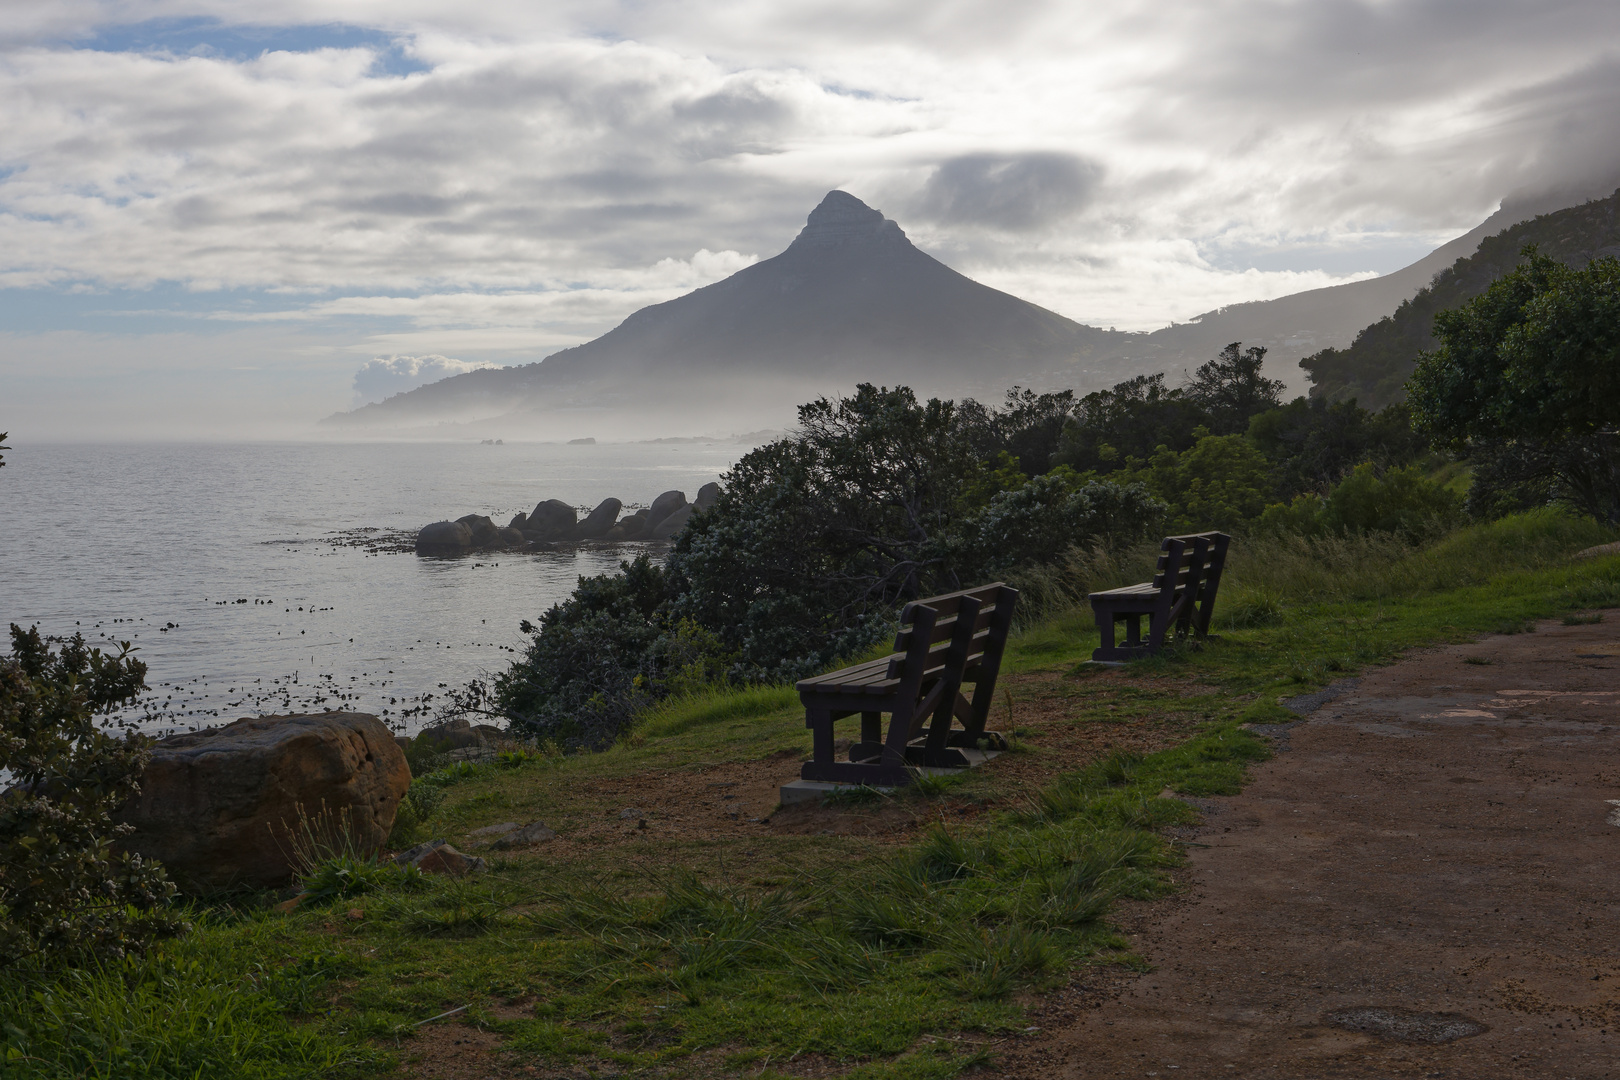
x=943 y=642
x=1178 y=601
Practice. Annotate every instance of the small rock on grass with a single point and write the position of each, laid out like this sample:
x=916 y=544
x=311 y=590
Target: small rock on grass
x=496 y=830
x=530 y=834
x=439 y=857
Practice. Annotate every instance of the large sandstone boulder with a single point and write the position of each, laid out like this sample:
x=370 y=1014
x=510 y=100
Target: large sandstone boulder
x=485 y=533
x=444 y=538
x=663 y=506
x=233 y=806
x=512 y=538
x=599 y=521
x=707 y=496
x=552 y=519
x=519 y=520
x=671 y=525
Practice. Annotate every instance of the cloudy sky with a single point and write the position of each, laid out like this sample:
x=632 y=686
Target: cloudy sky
x=215 y=216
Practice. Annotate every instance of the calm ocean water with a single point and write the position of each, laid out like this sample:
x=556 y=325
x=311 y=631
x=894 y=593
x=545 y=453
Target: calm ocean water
x=159 y=544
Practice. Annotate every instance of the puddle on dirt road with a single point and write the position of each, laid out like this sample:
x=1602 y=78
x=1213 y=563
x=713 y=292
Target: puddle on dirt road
x=1404 y=1025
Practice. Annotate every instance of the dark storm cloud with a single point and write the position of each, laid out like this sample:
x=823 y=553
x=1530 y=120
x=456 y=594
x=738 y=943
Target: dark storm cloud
x=1015 y=192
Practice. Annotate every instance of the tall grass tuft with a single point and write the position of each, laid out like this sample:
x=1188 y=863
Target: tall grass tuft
x=696 y=708
x=1371 y=566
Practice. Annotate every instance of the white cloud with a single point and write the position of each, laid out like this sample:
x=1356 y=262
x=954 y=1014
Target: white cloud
x=384 y=376
x=544 y=169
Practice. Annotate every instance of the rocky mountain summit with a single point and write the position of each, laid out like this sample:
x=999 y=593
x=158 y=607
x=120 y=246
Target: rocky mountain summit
x=850 y=299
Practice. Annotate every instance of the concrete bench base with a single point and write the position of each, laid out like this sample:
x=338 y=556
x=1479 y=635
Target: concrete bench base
x=796 y=792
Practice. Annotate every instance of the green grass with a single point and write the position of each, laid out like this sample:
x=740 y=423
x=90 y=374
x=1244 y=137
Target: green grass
x=615 y=951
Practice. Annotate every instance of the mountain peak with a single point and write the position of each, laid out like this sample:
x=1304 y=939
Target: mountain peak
x=842 y=219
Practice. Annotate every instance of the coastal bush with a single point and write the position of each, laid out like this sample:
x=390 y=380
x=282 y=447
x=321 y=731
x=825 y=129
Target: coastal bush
x=65 y=894
x=803 y=561
x=416 y=809
x=1036 y=523
x=818 y=538
x=1525 y=375
x=1220 y=482
x=1313 y=443
x=1400 y=500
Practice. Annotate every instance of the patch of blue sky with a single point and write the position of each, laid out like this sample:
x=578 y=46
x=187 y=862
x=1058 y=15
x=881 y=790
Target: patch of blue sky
x=204 y=36
x=169 y=308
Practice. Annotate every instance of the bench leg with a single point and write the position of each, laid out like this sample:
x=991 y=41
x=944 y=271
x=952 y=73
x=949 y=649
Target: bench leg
x=871 y=727
x=820 y=723
x=1105 y=627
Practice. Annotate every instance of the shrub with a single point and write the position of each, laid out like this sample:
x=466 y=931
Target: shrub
x=415 y=810
x=1220 y=483
x=1401 y=501
x=585 y=672
x=1036 y=523
x=64 y=893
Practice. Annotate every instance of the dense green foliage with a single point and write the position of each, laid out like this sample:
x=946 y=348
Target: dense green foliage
x=64 y=893
x=813 y=544
x=1375 y=367
x=1526 y=377
x=878 y=498
x=1401 y=501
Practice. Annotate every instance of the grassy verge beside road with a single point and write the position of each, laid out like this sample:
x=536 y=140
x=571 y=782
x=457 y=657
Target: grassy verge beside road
x=892 y=936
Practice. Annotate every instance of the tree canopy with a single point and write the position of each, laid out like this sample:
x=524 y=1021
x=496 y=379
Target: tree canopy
x=1529 y=372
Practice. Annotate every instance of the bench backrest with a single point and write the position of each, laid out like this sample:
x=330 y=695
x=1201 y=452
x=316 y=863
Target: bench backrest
x=965 y=630
x=982 y=605
x=1194 y=561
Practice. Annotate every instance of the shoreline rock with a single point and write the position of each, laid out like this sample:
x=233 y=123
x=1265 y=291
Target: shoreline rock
x=554 y=522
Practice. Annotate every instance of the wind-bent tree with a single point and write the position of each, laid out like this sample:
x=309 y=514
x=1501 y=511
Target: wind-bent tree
x=1231 y=389
x=1526 y=380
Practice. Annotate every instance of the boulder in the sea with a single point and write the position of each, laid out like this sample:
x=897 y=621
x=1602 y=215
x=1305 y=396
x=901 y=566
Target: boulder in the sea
x=240 y=805
x=599 y=521
x=512 y=538
x=663 y=506
x=630 y=527
x=673 y=524
x=707 y=495
x=485 y=533
x=519 y=519
x=444 y=538
x=552 y=519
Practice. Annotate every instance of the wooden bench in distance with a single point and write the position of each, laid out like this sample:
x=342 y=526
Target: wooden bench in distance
x=944 y=641
x=1178 y=600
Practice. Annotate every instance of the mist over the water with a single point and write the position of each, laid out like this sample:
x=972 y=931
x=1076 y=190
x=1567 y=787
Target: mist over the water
x=134 y=537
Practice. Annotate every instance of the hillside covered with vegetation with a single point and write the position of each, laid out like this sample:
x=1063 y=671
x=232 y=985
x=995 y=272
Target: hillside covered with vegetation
x=680 y=923
x=1374 y=369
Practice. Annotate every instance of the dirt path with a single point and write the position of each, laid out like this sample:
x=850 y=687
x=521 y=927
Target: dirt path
x=1434 y=857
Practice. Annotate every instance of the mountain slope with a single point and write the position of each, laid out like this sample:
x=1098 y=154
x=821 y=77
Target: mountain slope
x=1374 y=368
x=1295 y=326
x=850 y=298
